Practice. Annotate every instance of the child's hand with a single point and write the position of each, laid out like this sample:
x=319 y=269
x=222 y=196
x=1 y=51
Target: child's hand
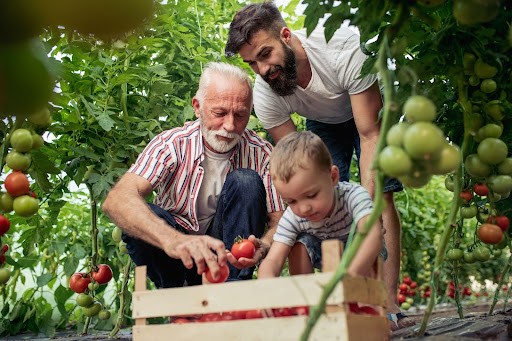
x=259 y=254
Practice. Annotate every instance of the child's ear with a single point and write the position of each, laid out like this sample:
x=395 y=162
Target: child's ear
x=335 y=175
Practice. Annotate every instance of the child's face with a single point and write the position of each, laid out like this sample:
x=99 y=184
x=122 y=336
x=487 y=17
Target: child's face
x=310 y=192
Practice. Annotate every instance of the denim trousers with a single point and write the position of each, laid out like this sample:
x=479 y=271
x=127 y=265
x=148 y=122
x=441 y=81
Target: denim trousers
x=241 y=211
x=342 y=140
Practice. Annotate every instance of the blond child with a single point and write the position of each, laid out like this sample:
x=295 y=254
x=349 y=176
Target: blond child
x=319 y=207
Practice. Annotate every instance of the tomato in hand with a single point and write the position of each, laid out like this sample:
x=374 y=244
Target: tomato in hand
x=16 y=184
x=243 y=248
x=224 y=274
x=5 y=224
x=103 y=275
x=79 y=282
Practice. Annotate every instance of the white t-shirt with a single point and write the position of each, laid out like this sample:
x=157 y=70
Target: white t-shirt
x=351 y=203
x=215 y=167
x=335 y=68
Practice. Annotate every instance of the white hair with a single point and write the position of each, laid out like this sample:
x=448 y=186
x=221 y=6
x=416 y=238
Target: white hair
x=223 y=70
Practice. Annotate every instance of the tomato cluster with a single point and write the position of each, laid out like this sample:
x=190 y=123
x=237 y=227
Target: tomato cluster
x=408 y=156
x=463 y=290
x=84 y=284
x=407 y=290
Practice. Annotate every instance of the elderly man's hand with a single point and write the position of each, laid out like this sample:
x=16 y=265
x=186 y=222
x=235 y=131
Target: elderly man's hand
x=205 y=251
x=259 y=254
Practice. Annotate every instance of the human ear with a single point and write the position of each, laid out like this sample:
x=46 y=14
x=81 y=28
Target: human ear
x=286 y=35
x=196 y=106
x=335 y=175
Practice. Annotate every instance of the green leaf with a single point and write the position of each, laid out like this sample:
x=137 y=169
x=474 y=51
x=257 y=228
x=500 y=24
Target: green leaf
x=70 y=265
x=44 y=279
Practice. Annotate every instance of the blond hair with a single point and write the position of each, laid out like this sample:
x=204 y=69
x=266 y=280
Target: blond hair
x=301 y=149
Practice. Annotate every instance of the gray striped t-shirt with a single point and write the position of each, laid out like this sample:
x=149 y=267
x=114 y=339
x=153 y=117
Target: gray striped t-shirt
x=352 y=203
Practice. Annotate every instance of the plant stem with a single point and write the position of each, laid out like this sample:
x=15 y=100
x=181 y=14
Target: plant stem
x=122 y=302
x=504 y=275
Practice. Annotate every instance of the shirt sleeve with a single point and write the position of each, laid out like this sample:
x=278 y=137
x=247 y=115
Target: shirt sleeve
x=287 y=229
x=349 y=63
x=156 y=161
x=359 y=202
x=270 y=108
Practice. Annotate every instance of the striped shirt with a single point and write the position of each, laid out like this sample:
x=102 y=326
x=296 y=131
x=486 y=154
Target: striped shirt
x=171 y=162
x=352 y=202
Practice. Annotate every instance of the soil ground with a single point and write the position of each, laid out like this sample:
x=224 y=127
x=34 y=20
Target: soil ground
x=444 y=325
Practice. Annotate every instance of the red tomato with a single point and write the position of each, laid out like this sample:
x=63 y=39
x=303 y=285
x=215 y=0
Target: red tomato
x=224 y=274
x=4 y=248
x=502 y=221
x=2 y=259
x=279 y=312
x=16 y=184
x=413 y=285
x=353 y=307
x=368 y=310
x=401 y=298
x=490 y=233
x=211 y=317
x=481 y=189
x=407 y=280
x=301 y=311
x=103 y=275
x=403 y=287
x=243 y=248
x=79 y=282
x=5 y=224
x=254 y=314
x=466 y=196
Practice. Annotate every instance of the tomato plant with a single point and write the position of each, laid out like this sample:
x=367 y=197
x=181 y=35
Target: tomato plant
x=243 y=248
x=222 y=277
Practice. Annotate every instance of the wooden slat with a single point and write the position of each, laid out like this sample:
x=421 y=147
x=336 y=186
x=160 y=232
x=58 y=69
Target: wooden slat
x=284 y=328
x=332 y=250
x=368 y=327
x=291 y=291
x=140 y=286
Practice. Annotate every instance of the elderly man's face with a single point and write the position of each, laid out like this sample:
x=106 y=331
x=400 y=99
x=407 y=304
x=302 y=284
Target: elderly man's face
x=224 y=113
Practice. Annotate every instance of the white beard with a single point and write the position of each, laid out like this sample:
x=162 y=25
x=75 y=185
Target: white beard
x=210 y=136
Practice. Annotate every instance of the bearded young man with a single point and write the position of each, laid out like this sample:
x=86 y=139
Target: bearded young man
x=212 y=183
x=320 y=81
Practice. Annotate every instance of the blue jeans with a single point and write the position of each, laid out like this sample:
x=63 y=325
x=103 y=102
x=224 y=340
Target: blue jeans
x=342 y=140
x=313 y=246
x=241 y=210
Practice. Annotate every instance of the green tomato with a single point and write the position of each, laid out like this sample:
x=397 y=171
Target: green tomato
x=448 y=183
x=17 y=161
x=84 y=300
x=394 y=161
x=500 y=184
x=468 y=212
x=92 y=310
x=484 y=70
x=21 y=140
x=122 y=247
x=37 y=141
x=25 y=205
x=492 y=151
x=490 y=130
x=505 y=168
x=419 y=108
x=471 y=12
x=116 y=234
x=415 y=137
x=468 y=61
x=455 y=254
x=473 y=80
x=494 y=110
x=469 y=257
x=476 y=167
x=415 y=180
x=448 y=161
x=41 y=118
x=5 y=274
x=395 y=135
x=482 y=253
x=104 y=314
x=488 y=86
x=6 y=201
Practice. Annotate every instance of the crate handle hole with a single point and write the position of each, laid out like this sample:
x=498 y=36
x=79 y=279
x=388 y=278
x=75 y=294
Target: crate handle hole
x=204 y=303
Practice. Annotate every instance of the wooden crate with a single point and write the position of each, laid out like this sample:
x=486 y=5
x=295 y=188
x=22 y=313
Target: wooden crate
x=338 y=323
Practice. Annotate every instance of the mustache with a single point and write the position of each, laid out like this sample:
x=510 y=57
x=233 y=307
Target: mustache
x=271 y=71
x=226 y=134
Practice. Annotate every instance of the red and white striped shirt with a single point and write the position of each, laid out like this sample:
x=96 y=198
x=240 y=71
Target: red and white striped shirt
x=171 y=163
